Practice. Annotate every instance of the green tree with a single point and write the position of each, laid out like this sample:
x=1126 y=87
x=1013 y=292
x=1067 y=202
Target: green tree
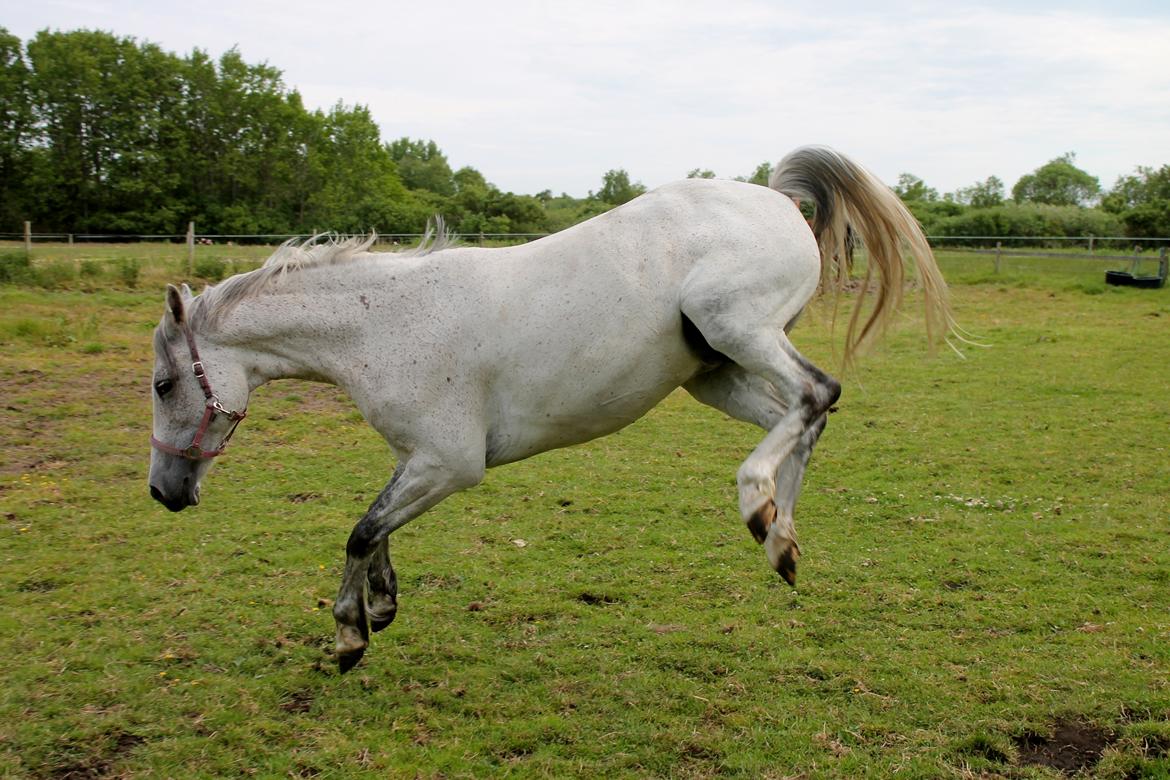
x=15 y=128
x=981 y=194
x=1058 y=182
x=422 y=166
x=564 y=211
x=259 y=144
x=358 y=187
x=616 y=188
x=468 y=178
x=102 y=104
x=912 y=189
x=701 y=173
x=1142 y=201
x=759 y=176
x=923 y=202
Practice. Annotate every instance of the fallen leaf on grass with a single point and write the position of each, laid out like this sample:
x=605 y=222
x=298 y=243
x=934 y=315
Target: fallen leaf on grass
x=668 y=628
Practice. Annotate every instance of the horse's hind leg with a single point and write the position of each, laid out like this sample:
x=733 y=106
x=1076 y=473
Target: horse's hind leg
x=746 y=324
x=752 y=399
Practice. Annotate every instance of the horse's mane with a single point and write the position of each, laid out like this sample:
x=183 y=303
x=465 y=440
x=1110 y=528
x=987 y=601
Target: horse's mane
x=295 y=256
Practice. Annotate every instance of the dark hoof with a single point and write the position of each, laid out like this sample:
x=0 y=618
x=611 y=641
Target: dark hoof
x=381 y=609
x=348 y=661
x=377 y=624
x=759 y=522
x=786 y=566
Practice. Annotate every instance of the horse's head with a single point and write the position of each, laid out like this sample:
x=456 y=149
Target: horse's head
x=197 y=387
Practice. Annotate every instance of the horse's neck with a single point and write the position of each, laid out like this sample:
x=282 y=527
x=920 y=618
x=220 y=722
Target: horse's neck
x=301 y=335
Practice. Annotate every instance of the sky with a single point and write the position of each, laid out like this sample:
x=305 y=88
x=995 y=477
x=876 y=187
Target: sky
x=550 y=95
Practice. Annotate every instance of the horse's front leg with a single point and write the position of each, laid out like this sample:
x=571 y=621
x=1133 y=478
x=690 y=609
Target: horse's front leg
x=382 y=588
x=421 y=482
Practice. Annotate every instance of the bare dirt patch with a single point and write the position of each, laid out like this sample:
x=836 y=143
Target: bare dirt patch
x=1071 y=746
x=100 y=764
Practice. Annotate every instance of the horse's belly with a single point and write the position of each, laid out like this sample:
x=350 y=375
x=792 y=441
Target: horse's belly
x=524 y=425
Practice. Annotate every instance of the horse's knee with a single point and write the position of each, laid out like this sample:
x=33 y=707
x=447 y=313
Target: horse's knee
x=820 y=393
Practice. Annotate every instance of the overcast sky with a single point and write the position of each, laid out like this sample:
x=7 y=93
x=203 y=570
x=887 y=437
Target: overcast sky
x=549 y=95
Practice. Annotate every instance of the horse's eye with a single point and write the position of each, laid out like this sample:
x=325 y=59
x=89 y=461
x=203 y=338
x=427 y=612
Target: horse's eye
x=163 y=386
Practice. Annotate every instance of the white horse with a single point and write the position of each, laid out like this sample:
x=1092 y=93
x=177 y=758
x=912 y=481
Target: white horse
x=465 y=358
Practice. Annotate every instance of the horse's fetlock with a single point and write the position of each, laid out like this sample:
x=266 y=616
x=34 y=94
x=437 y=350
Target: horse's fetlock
x=760 y=521
x=346 y=611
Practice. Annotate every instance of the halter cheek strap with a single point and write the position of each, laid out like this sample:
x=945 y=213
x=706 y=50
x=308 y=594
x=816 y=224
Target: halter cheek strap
x=195 y=451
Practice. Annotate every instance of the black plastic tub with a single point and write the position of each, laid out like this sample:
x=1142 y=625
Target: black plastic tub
x=1125 y=278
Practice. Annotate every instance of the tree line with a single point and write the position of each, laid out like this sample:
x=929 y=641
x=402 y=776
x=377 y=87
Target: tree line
x=103 y=133
x=1057 y=199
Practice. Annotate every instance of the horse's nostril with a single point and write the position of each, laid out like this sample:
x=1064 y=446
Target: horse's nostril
x=156 y=494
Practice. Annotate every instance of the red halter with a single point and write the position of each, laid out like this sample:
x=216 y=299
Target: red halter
x=194 y=451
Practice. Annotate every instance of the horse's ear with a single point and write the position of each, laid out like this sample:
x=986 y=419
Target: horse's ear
x=175 y=305
x=186 y=292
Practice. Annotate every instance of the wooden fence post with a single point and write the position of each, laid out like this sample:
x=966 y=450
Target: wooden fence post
x=1090 y=245
x=27 y=238
x=998 y=247
x=191 y=248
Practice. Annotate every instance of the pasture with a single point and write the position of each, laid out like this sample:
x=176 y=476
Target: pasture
x=984 y=589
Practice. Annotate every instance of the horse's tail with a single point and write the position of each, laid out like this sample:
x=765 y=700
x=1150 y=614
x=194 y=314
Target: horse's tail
x=851 y=201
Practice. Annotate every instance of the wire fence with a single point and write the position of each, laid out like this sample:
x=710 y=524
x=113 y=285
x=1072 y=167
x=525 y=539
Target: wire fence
x=1090 y=244
x=244 y=239
x=58 y=259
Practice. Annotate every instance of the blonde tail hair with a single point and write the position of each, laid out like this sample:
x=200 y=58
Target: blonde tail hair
x=852 y=201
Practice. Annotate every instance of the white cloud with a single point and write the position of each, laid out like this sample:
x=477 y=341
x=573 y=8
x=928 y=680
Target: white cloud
x=540 y=95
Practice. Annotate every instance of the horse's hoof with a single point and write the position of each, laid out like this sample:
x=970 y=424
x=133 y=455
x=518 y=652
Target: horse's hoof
x=378 y=623
x=787 y=567
x=783 y=553
x=347 y=661
x=761 y=520
x=351 y=645
x=381 y=609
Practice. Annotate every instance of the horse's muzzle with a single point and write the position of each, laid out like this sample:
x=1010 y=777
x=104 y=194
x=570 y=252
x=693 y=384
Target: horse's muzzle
x=185 y=499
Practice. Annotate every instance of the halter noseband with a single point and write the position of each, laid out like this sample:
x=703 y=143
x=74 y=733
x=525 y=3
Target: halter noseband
x=194 y=451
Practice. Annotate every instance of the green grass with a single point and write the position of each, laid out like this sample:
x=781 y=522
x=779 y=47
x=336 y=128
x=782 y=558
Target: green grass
x=985 y=562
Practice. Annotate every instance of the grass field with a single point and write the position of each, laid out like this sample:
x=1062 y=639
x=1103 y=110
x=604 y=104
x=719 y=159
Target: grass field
x=984 y=591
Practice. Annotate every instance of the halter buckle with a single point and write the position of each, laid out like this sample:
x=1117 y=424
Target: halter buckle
x=213 y=407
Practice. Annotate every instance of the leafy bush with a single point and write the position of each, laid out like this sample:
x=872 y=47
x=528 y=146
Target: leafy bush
x=55 y=274
x=90 y=269
x=127 y=270
x=210 y=268
x=14 y=268
x=243 y=266
x=1028 y=220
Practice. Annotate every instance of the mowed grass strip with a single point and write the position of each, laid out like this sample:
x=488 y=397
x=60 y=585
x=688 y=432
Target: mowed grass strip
x=984 y=591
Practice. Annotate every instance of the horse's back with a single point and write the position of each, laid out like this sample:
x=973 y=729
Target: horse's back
x=590 y=320
x=578 y=334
